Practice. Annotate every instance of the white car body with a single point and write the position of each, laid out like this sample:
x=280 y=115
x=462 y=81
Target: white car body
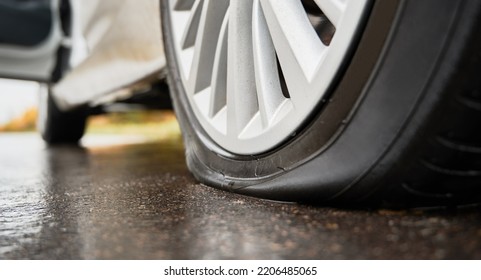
x=101 y=30
x=36 y=62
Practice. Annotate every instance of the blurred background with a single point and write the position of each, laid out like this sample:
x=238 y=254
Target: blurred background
x=18 y=105
x=18 y=113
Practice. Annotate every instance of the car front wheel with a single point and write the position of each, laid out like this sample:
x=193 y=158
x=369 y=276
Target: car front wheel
x=55 y=125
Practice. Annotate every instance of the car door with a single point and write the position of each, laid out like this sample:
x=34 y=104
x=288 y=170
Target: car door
x=30 y=35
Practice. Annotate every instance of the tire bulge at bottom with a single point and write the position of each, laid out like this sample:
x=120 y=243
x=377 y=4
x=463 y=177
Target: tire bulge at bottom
x=370 y=149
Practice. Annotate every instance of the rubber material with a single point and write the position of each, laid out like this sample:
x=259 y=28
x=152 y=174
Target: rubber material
x=425 y=69
x=63 y=127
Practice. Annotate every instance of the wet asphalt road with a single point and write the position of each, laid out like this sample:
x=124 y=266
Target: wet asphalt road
x=138 y=201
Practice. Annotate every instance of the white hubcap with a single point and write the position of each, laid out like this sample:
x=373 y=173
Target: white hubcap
x=254 y=70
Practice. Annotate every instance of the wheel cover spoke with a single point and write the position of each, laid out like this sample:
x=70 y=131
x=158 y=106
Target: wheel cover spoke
x=254 y=70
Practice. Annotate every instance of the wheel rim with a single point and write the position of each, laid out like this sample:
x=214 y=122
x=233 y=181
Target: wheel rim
x=254 y=70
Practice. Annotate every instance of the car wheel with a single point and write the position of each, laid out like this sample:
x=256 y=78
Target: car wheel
x=326 y=101
x=57 y=126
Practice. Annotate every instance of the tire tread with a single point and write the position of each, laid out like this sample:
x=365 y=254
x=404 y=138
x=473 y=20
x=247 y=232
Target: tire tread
x=447 y=170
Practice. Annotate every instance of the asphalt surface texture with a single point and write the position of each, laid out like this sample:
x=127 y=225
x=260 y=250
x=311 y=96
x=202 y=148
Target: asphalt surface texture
x=138 y=201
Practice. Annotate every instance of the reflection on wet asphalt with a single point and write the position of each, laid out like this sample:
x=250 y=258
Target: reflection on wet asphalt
x=138 y=201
